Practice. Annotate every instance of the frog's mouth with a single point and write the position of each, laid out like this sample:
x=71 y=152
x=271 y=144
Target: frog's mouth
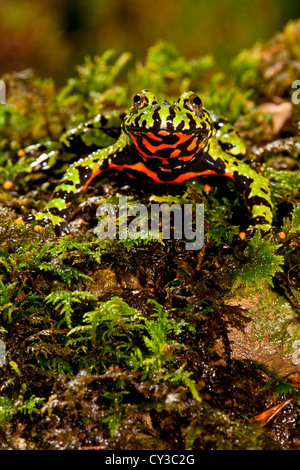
x=164 y=144
x=161 y=132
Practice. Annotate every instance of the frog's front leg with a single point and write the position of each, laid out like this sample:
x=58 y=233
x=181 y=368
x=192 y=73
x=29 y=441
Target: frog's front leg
x=255 y=187
x=74 y=182
x=100 y=132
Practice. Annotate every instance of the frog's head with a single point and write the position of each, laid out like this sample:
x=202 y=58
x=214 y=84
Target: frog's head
x=177 y=129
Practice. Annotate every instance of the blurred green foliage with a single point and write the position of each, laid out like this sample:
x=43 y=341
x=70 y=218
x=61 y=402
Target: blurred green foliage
x=54 y=35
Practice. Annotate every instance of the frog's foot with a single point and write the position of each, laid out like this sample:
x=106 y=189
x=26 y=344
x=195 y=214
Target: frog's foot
x=41 y=219
x=264 y=228
x=45 y=160
x=250 y=232
x=256 y=224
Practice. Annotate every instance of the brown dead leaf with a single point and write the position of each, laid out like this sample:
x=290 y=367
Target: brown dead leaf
x=281 y=112
x=267 y=415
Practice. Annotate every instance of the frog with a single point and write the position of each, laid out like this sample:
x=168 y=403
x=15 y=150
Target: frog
x=163 y=142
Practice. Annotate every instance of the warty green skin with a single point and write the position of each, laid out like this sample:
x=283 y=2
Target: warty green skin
x=157 y=142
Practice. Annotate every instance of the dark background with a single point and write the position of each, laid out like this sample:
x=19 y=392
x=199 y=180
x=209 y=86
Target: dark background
x=52 y=36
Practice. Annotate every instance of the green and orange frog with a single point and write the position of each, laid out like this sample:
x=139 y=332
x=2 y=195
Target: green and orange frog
x=166 y=142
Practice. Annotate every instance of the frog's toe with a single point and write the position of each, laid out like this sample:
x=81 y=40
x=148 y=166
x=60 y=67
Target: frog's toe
x=8 y=184
x=19 y=221
x=281 y=235
x=243 y=234
x=61 y=229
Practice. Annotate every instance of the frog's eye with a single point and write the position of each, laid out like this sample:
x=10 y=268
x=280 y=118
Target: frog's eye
x=194 y=103
x=139 y=101
x=136 y=99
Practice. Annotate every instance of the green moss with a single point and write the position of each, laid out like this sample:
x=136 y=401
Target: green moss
x=260 y=263
x=9 y=408
x=216 y=430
